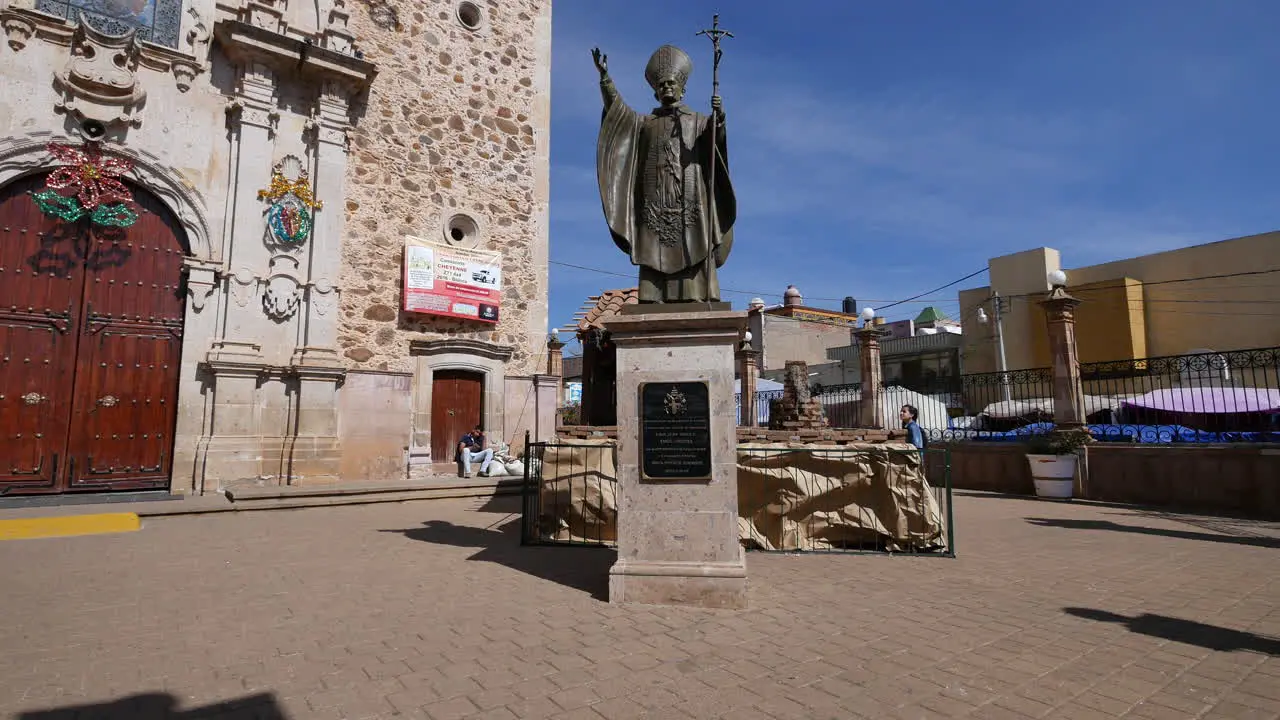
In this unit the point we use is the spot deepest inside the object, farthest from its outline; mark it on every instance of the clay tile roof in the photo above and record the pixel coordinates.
(601, 307)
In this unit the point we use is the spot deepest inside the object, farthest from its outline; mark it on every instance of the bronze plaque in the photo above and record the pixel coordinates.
(675, 431)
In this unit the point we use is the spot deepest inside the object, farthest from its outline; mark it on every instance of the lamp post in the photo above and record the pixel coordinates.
(869, 414)
(748, 377)
(1068, 398)
(997, 309)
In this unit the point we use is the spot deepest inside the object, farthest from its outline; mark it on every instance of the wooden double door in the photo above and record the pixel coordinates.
(91, 324)
(457, 406)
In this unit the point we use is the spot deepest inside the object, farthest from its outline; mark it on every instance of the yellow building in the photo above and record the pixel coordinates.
(1217, 297)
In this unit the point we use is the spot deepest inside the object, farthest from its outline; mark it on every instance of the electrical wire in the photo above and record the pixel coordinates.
(756, 293)
(943, 287)
(1095, 288)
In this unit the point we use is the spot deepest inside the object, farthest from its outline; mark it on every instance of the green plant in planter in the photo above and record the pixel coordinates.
(1058, 443)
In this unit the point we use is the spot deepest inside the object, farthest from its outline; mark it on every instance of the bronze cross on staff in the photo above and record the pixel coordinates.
(715, 33)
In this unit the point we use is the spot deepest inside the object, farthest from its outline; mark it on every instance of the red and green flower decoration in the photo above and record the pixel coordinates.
(86, 185)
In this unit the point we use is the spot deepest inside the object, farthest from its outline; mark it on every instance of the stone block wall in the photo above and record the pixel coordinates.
(374, 412)
(454, 134)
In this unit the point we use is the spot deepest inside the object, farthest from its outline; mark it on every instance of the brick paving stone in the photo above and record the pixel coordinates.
(433, 610)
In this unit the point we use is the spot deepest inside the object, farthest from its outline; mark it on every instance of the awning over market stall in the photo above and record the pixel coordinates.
(1209, 400)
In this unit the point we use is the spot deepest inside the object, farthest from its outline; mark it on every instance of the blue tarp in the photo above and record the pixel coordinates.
(1155, 434)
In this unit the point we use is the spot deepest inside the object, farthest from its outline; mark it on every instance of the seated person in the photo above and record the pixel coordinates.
(472, 448)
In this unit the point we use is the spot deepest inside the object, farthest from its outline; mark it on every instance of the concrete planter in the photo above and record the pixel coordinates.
(1054, 475)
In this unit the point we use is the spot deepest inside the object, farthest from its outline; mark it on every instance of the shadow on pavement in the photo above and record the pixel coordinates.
(1170, 510)
(1266, 542)
(585, 569)
(1188, 632)
(163, 706)
(508, 504)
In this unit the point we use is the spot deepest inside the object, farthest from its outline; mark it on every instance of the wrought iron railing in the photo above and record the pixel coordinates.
(961, 407)
(1210, 397)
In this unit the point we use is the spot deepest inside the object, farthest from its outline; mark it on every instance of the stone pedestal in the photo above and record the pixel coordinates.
(1068, 398)
(870, 414)
(678, 539)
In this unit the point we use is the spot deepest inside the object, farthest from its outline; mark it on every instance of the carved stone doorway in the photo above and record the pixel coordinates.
(457, 406)
(91, 323)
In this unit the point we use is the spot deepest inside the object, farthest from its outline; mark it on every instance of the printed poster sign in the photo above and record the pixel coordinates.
(451, 281)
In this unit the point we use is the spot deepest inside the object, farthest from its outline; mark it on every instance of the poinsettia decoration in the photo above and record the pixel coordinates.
(86, 185)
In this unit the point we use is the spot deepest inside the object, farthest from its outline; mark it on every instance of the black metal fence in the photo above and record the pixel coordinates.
(794, 499)
(950, 408)
(569, 494)
(1210, 397)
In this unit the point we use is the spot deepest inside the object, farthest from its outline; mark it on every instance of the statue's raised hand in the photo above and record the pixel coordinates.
(601, 60)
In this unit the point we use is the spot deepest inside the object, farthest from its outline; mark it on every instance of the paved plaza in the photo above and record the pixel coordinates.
(433, 610)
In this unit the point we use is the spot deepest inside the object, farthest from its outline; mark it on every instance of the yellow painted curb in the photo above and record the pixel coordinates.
(69, 525)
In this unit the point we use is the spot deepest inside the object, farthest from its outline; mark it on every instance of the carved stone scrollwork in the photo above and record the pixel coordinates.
(283, 293)
(266, 14)
(198, 37)
(19, 30)
(244, 285)
(199, 294)
(324, 297)
(185, 71)
(202, 278)
(336, 35)
(282, 297)
(100, 82)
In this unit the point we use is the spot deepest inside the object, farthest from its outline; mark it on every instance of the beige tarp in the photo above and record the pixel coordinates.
(580, 492)
(814, 498)
(789, 497)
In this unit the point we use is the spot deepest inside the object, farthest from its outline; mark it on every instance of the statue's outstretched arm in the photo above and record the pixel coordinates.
(608, 92)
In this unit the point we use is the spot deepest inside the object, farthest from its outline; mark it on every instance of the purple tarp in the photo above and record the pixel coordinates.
(1207, 400)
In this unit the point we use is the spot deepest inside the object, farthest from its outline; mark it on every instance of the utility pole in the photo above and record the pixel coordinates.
(997, 311)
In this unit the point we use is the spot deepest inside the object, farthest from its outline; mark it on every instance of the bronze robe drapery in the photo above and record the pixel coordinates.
(654, 175)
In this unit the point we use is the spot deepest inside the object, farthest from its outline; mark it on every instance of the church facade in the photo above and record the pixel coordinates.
(205, 207)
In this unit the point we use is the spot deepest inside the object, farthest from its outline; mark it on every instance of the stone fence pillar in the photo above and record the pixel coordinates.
(870, 414)
(748, 375)
(555, 365)
(1068, 397)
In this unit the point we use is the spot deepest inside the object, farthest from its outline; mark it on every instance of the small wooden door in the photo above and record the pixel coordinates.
(457, 406)
(90, 347)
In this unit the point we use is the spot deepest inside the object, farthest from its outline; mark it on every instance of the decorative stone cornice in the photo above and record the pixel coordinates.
(247, 43)
(461, 346)
(21, 25)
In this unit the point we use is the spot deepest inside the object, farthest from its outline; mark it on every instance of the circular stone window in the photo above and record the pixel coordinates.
(470, 15)
(462, 231)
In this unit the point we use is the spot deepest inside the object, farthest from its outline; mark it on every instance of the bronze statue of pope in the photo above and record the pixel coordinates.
(664, 183)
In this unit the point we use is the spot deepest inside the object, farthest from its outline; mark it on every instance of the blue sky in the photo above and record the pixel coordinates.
(880, 149)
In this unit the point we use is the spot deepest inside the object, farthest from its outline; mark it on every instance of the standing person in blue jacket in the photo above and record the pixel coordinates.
(909, 415)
